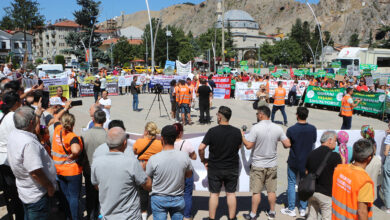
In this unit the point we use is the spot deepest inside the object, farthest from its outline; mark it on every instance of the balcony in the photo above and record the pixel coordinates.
(53, 33)
(53, 41)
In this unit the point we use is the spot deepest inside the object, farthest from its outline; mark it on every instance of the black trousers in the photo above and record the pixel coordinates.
(92, 197)
(8, 185)
(144, 199)
(292, 97)
(204, 108)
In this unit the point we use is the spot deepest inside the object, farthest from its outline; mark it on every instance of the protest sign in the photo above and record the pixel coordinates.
(368, 66)
(371, 102)
(245, 91)
(223, 85)
(183, 69)
(165, 80)
(288, 84)
(169, 67)
(324, 96)
(53, 90)
(336, 64)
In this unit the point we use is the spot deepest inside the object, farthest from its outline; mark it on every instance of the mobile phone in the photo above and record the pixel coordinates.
(76, 103)
(45, 99)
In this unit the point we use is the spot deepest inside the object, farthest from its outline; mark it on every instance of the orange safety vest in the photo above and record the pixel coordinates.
(64, 167)
(177, 93)
(346, 108)
(185, 95)
(347, 182)
(280, 95)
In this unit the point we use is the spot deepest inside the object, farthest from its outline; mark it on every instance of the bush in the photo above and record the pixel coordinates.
(60, 59)
(38, 61)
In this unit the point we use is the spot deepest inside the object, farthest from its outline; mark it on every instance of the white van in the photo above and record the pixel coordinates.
(51, 70)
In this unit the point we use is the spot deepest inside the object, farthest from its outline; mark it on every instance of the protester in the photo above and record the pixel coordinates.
(385, 187)
(224, 142)
(321, 201)
(55, 105)
(168, 170)
(204, 93)
(118, 177)
(185, 146)
(342, 147)
(103, 84)
(144, 148)
(232, 86)
(96, 89)
(184, 99)
(292, 94)
(362, 86)
(60, 93)
(263, 138)
(346, 110)
(32, 166)
(172, 97)
(211, 82)
(353, 189)
(10, 103)
(66, 148)
(134, 89)
(299, 151)
(262, 96)
(71, 84)
(279, 102)
(105, 102)
(93, 138)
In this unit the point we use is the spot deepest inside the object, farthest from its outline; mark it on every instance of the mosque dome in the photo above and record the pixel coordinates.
(238, 19)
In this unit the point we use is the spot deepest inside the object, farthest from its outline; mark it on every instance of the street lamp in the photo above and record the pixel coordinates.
(319, 29)
(151, 33)
(168, 33)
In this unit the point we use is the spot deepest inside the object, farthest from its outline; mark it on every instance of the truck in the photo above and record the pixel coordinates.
(51, 71)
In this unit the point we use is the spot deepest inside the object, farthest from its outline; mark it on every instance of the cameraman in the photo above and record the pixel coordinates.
(135, 89)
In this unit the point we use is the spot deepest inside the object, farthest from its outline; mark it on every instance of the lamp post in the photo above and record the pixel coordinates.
(151, 33)
(223, 33)
(168, 34)
(319, 29)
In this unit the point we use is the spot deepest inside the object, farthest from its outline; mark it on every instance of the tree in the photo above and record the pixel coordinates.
(59, 59)
(24, 14)
(38, 61)
(124, 52)
(306, 39)
(7, 23)
(267, 53)
(370, 40)
(354, 40)
(287, 52)
(382, 36)
(328, 39)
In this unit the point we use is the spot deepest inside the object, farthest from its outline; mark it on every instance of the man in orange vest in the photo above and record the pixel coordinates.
(279, 102)
(353, 189)
(346, 111)
(184, 99)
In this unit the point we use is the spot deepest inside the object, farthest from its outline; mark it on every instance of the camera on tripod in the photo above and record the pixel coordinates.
(158, 88)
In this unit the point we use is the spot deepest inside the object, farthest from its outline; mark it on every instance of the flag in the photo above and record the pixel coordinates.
(291, 72)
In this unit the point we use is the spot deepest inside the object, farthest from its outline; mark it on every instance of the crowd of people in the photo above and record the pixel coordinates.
(44, 162)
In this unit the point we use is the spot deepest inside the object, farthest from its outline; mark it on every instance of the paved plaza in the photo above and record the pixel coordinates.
(243, 114)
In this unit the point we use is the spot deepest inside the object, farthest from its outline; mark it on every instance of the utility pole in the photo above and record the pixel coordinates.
(146, 52)
(112, 57)
(223, 32)
(209, 59)
(168, 34)
(151, 33)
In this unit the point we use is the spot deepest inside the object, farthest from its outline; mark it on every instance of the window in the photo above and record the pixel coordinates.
(61, 36)
(16, 45)
(62, 44)
(383, 61)
(3, 45)
(23, 45)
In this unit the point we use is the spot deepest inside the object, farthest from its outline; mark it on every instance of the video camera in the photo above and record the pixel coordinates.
(158, 88)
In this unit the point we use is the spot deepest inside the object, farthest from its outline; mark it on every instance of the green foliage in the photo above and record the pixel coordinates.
(123, 51)
(288, 52)
(6, 23)
(38, 61)
(354, 40)
(328, 39)
(30, 66)
(383, 41)
(370, 40)
(59, 59)
(24, 14)
(267, 53)
(87, 16)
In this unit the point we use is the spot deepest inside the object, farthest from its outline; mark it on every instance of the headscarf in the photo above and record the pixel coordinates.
(367, 132)
(342, 139)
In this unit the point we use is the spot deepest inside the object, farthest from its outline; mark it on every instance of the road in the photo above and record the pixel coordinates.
(243, 114)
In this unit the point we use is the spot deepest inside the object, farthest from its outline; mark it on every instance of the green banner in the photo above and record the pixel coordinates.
(227, 70)
(366, 72)
(330, 75)
(368, 66)
(342, 72)
(320, 73)
(299, 72)
(324, 96)
(271, 68)
(244, 63)
(371, 102)
(257, 70)
(220, 71)
(244, 68)
(336, 64)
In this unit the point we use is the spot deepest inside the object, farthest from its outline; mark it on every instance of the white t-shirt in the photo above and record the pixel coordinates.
(184, 146)
(7, 71)
(6, 127)
(70, 82)
(105, 102)
(103, 82)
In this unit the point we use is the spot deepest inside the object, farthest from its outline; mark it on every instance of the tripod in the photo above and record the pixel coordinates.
(158, 96)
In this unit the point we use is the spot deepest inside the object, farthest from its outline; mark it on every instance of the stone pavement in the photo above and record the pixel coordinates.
(243, 114)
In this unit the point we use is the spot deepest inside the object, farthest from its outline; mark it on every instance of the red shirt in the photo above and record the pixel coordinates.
(363, 87)
(245, 78)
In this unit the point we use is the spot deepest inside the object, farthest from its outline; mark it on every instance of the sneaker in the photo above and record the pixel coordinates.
(270, 215)
(302, 213)
(289, 212)
(248, 217)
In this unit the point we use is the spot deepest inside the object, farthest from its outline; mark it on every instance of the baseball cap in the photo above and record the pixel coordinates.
(56, 101)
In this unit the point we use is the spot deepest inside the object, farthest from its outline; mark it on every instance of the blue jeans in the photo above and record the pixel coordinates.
(292, 177)
(188, 188)
(135, 101)
(161, 205)
(275, 108)
(347, 123)
(39, 210)
(71, 187)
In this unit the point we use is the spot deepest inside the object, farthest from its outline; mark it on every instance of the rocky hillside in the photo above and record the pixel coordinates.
(341, 17)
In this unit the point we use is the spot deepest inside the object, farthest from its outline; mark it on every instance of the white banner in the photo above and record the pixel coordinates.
(183, 69)
(127, 79)
(200, 174)
(288, 84)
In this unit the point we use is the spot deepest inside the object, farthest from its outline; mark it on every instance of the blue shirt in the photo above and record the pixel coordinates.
(303, 138)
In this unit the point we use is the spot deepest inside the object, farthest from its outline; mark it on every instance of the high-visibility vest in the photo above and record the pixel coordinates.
(347, 182)
(64, 167)
(280, 95)
(346, 108)
(185, 95)
(177, 93)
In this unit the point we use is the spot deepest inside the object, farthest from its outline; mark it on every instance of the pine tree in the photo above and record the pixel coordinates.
(354, 40)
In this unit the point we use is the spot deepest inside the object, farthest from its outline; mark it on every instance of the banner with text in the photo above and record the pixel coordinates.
(166, 80)
(222, 87)
(87, 89)
(183, 69)
(324, 96)
(371, 102)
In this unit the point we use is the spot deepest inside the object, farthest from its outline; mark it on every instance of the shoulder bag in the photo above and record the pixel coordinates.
(307, 185)
(145, 149)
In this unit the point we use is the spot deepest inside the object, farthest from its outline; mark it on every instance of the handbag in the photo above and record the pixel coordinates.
(80, 159)
(307, 185)
(255, 104)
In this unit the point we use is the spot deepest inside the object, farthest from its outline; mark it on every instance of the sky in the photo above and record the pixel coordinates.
(56, 9)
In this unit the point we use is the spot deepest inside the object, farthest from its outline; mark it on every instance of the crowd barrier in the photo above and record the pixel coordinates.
(200, 173)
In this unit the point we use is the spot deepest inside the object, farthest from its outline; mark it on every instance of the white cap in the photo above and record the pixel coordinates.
(56, 101)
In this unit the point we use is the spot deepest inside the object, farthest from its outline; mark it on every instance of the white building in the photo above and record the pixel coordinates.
(12, 43)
